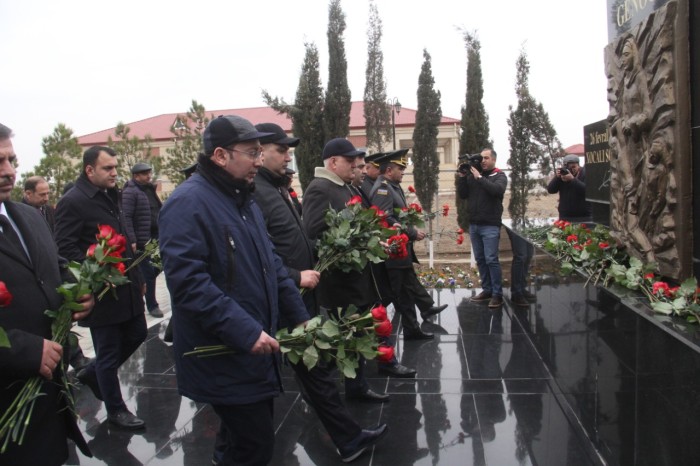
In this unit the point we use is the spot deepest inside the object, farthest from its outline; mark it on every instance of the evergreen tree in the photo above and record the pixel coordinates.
(306, 115)
(188, 131)
(426, 163)
(131, 150)
(533, 140)
(61, 163)
(376, 112)
(475, 120)
(336, 111)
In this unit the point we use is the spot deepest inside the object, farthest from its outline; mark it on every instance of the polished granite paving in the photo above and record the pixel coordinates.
(483, 396)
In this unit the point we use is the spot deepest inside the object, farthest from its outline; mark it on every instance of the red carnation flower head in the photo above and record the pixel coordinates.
(411, 189)
(603, 245)
(661, 287)
(460, 239)
(571, 239)
(578, 247)
(120, 267)
(91, 250)
(383, 329)
(105, 232)
(354, 200)
(649, 276)
(379, 313)
(445, 210)
(5, 295)
(385, 353)
(460, 231)
(416, 207)
(293, 193)
(117, 244)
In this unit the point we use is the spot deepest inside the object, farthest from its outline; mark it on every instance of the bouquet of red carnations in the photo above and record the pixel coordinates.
(102, 270)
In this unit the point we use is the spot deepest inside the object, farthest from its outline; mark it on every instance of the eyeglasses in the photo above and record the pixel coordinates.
(253, 154)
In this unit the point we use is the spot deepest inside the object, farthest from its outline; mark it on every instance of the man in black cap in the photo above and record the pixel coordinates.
(296, 251)
(228, 287)
(408, 293)
(331, 188)
(371, 172)
(141, 206)
(570, 182)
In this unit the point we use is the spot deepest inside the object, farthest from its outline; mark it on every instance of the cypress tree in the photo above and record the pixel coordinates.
(426, 163)
(131, 150)
(475, 120)
(336, 112)
(187, 130)
(532, 138)
(376, 112)
(306, 115)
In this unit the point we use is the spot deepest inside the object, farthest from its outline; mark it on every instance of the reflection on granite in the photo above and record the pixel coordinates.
(575, 378)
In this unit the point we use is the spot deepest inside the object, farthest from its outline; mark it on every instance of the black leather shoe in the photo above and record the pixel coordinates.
(369, 396)
(397, 370)
(89, 379)
(156, 312)
(366, 439)
(433, 311)
(126, 420)
(417, 335)
(520, 300)
(80, 362)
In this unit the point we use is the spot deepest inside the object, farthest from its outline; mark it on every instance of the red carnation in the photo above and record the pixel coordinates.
(379, 313)
(661, 287)
(117, 244)
(5, 295)
(385, 353)
(354, 200)
(397, 246)
(416, 207)
(571, 239)
(293, 194)
(91, 250)
(120, 267)
(460, 231)
(649, 276)
(603, 245)
(445, 210)
(105, 232)
(411, 189)
(383, 329)
(460, 239)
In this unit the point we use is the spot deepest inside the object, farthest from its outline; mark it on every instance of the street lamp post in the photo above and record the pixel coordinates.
(395, 109)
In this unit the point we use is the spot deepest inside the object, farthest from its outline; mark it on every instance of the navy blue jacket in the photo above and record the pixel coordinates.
(137, 214)
(227, 285)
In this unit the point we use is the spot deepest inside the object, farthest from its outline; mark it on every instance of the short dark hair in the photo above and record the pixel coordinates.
(493, 152)
(90, 155)
(32, 181)
(5, 132)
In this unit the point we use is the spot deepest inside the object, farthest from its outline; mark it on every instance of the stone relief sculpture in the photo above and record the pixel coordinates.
(643, 140)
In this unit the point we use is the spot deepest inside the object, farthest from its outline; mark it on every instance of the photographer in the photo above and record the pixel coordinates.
(484, 185)
(570, 183)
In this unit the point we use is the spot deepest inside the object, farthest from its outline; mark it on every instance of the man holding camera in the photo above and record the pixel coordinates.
(570, 183)
(484, 186)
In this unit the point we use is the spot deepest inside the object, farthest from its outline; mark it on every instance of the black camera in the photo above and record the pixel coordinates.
(473, 160)
(563, 171)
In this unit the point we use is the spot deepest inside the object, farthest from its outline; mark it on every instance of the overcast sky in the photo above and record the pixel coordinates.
(91, 64)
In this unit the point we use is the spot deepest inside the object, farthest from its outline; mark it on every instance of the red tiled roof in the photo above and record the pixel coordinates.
(576, 149)
(158, 127)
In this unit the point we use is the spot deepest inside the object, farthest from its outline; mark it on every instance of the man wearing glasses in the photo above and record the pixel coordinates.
(228, 287)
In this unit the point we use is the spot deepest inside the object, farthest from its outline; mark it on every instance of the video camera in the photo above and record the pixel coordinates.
(469, 160)
(564, 171)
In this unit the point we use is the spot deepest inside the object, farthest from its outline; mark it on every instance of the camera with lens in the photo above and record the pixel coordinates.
(469, 160)
(563, 171)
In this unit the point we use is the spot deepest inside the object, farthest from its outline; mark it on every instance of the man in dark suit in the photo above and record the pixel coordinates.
(118, 325)
(36, 194)
(29, 267)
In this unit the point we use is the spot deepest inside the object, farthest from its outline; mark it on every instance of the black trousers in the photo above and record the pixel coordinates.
(114, 344)
(408, 293)
(247, 434)
(321, 392)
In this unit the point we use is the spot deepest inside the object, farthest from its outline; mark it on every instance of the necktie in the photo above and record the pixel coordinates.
(9, 233)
